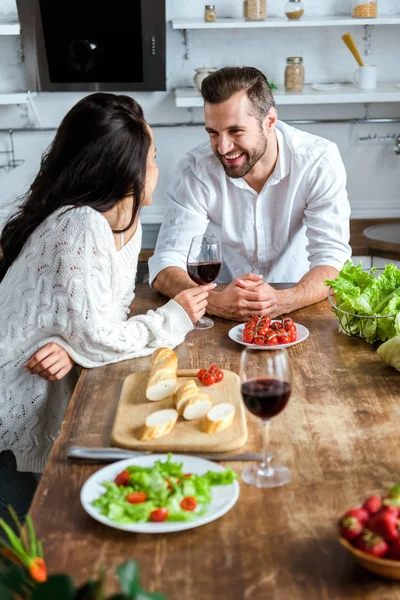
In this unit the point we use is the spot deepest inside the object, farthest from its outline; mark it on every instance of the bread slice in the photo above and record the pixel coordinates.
(184, 393)
(218, 418)
(197, 406)
(162, 378)
(159, 423)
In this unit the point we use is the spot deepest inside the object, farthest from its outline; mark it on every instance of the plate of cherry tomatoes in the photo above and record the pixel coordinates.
(266, 333)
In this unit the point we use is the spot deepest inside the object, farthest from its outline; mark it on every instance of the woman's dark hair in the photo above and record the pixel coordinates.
(222, 84)
(98, 155)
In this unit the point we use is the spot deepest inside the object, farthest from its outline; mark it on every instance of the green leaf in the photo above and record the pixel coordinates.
(32, 537)
(57, 587)
(128, 575)
(4, 593)
(14, 578)
(14, 540)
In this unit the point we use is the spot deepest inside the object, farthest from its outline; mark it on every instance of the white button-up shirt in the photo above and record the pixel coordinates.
(298, 221)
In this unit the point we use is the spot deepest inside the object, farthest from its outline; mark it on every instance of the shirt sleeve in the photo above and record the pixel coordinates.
(327, 212)
(186, 216)
(83, 313)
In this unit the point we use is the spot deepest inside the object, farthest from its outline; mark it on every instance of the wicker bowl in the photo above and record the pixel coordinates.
(348, 321)
(381, 566)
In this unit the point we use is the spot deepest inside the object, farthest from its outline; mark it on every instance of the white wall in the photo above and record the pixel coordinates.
(373, 168)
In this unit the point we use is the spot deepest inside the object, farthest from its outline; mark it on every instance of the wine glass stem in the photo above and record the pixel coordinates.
(265, 465)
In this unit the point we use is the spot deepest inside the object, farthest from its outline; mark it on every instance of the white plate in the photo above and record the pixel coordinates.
(223, 496)
(236, 334)
(325, 87)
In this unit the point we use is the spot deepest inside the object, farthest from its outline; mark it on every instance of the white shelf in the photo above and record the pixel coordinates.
(347, 93)
(17, 98)
(9, 28)
(274, 22)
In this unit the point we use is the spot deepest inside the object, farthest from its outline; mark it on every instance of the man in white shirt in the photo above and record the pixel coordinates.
(273, 195)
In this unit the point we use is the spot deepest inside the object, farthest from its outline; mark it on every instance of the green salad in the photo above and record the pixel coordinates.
(163, 492)
(361, 293)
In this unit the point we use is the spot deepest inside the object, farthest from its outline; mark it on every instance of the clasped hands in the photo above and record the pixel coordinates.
(245, 297)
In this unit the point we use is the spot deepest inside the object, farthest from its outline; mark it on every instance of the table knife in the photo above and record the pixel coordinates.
(83, 454)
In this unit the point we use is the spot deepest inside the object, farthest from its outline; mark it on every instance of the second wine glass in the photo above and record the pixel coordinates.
(203, 266)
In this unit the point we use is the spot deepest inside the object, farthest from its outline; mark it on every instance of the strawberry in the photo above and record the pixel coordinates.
(385, 524)
(372, 504)
(350, 528)
(394, 550)
(372, 544)
(358, 513)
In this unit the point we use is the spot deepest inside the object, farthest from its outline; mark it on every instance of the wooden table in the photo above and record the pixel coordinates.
(339, 435)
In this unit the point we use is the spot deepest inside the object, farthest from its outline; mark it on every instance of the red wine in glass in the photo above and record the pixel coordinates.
(265, 388)
(204, 272)
(203, 266)
(265, 398)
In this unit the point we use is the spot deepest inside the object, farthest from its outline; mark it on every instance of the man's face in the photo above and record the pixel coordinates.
(236, 134)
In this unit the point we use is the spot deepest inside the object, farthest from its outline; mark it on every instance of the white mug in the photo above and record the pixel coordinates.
(366, 77)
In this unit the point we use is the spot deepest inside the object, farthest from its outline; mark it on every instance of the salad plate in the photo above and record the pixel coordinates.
(236, 334)
(224, 497)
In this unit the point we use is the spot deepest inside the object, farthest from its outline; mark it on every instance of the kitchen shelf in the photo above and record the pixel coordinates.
(9, 27)
(347, 93)
(17, 98)
(275, 22)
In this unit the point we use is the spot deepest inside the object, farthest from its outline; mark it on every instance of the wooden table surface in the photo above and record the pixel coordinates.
(339, 435)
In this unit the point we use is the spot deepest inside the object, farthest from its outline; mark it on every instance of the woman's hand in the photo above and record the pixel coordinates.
(50, 362)
(194, 300)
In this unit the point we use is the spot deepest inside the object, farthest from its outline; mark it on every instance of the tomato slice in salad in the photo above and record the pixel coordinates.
(159, 515)
(188, 503)
(122, 478)
(137, 497)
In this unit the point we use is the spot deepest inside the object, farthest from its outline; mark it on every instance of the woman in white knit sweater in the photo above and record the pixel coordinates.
(70, 256)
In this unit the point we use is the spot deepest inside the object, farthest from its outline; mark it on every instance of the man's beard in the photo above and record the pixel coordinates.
(236, 172)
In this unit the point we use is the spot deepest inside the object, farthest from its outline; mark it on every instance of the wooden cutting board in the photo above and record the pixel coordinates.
(133, 408)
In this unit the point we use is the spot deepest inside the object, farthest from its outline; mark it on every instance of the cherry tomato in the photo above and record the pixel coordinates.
(276, 325)
(283, 339)
(122, 478)
(263, 330)
(292, 336)
(137, 497)
(259, 340)
(248, 337)
(188, 503)
(265, 319)
(219, 376)
(287, 321)
(201, 373)
(159, 515)
(290, 327)
(187, 475)
(208, 379)
(272, 340)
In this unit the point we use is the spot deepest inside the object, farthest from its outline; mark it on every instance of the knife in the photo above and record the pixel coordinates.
(83, 454)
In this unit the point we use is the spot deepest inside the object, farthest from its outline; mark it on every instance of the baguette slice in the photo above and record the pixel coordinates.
(184, 393)
(162, 378)
(197, 406)
(220, 417)
(159, 423)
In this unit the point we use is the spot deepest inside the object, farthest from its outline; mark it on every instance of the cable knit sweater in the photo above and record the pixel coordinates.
(69, 285)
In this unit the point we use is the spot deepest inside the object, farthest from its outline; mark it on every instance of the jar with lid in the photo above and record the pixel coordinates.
(294, 9)
(294, 74)
(255, 10)
(364, 9)
(210, 13)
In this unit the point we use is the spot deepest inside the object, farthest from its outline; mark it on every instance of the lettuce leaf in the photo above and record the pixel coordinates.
(362, 293)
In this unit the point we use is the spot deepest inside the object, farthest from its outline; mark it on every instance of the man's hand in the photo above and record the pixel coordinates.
(50, 362)
(243, 298)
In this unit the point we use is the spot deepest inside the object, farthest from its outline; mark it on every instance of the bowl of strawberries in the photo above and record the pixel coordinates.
(371, 533)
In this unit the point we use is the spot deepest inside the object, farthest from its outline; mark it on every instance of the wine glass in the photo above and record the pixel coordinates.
(265, 380)
(203, 266)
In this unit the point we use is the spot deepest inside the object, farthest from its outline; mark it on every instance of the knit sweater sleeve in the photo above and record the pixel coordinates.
(84, 311)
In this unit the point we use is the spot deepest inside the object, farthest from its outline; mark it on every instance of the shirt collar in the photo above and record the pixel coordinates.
(282, 167)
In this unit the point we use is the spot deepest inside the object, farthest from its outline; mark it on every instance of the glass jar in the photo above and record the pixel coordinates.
(294, 9)
(255, 10)
(364, 9)
(210, 13)
(294, 74)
